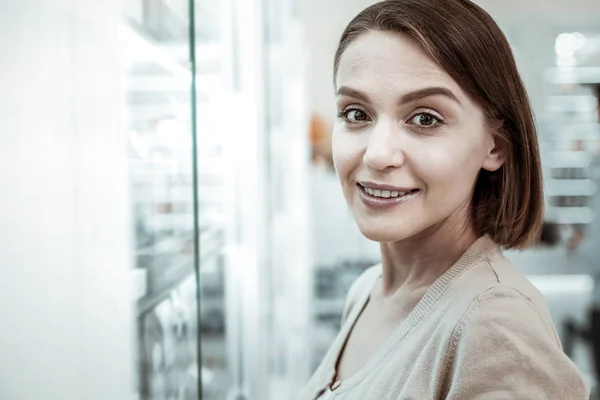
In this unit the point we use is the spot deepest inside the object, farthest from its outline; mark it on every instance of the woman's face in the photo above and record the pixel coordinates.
(408, 142)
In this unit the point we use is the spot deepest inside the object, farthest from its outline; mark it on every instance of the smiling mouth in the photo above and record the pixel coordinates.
(386, 193)
(384, 197)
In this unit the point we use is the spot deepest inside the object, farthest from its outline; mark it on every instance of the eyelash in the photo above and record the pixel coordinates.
(440, 121)
(344, 114)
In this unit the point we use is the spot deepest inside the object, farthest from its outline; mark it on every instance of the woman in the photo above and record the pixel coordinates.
(436, 151)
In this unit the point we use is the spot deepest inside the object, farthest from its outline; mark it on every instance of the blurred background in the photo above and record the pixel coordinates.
(171, 227)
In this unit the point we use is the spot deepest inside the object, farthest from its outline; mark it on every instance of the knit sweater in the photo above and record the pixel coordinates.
(481, 331)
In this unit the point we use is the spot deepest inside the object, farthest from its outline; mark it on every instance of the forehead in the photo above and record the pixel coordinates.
(387, 61)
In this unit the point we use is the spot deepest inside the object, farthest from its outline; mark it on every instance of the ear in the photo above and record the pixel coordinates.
(497, 154)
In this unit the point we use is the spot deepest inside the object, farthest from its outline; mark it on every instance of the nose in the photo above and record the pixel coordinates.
(384, 150)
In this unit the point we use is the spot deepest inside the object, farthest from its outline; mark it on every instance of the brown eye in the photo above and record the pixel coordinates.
(424, 120)
(355, 116)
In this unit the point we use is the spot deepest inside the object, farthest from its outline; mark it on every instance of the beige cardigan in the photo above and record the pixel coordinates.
(482, 331)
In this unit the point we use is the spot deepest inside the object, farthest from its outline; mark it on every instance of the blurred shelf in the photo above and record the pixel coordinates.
(568, 284)
(210, 171)
(165, 245)
(569, 159)
(206, 85)
(570, 187)
(162, 281)
(328, 306)
(569, 76)
(580, 103)
(571, 215)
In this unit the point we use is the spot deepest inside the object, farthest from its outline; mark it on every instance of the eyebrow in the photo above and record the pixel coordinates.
(406, 98)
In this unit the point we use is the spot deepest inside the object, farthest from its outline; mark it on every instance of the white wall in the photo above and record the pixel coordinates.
(65, 258)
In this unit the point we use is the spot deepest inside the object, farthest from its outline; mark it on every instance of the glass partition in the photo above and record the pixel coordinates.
(214, 104)
(162, 128)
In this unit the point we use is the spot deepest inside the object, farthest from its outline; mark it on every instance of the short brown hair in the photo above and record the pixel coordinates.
(466, 42)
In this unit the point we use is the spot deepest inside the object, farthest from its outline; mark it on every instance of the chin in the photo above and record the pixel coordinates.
(384, 235)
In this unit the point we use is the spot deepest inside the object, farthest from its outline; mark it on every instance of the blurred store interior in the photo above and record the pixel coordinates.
(171, 227)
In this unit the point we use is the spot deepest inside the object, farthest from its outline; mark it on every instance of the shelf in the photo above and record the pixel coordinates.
(569, 159)
(178, 270)
(570, 187)
(566, 284)
(569, 76)
(205, 85)
(571, 215)
(568, 103)
(145, 171)
(165, 245)
(329, 306)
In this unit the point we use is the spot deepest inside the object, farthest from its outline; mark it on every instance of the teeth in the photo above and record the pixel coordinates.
(386, 193)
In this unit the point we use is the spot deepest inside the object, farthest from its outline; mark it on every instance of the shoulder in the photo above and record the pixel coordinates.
(360, 288)
(497, 285)
(504, 345)
(496, 294)
(509, 310)
(496, 308)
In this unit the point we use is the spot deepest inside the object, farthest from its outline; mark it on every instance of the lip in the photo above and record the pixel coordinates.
(372, 185)
(382, 203)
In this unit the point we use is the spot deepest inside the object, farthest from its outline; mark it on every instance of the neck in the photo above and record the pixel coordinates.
(413, 264)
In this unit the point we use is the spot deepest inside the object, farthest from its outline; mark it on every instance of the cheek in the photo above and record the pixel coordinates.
(449, 169)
